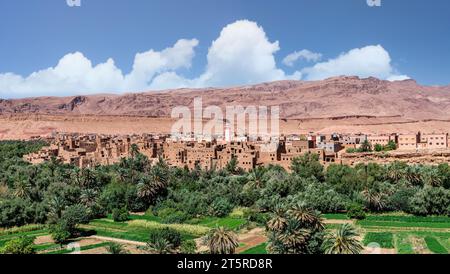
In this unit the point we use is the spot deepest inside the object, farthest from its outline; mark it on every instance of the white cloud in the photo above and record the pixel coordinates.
(242, 54)
(75, 74)
(368, 61)
(299, 55)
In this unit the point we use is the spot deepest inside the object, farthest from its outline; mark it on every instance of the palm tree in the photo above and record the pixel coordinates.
(151, 184)
(278, 222)
(374, 199)
(291, 240)
(343, 241)
(222, 241)
(396, 171)
(22, 189)
(116, 249)
(308, 217)
(56, 205)
(160, 246)
(88, 197)
(255, 179)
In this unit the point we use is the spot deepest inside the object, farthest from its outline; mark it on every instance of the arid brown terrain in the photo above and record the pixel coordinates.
(341, 104)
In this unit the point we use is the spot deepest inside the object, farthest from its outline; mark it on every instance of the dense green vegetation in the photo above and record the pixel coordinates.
(72, 201)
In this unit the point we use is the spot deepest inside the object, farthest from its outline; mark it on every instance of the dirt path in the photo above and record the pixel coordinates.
(251, 239)
(120, 241)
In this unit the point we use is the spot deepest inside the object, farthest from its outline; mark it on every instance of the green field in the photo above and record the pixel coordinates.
(407, 234)
(257, 250)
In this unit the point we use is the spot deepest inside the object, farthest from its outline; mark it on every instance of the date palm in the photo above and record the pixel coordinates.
(256, 178)
(278, 221)
(22, 189)
(222, 241)
(374, 199)
(88, 197)
(116, 249)
(308, 217)
(150, 185)
(291, 240)
(343, 241)
(160, 246)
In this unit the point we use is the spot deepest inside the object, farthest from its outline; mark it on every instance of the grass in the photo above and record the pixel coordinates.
(16, 230)
(410, 224)
(195, 230)
(256, 250)
(409, 219)
(434, 245)
(403, 244)
(83, 248)
(336, 216)
(227, 222)
(384, 239)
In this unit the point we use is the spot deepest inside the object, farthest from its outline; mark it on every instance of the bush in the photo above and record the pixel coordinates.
(172, 216)
(221, 207)
(170, 235)
(255, 216)
(120, 215)
(60, 232)
(356, 211)
(431, 201)
(21, 246)
(188, 247)
(74, 215)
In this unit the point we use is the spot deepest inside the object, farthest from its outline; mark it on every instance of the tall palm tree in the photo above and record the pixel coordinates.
(374, 199)
(396, 171)
(222, 241)
(308, 217)
(278, 221)
(151, 184)
(88, 197)
(343, 241)
(22, 189)
(292, 239)
(255, 179)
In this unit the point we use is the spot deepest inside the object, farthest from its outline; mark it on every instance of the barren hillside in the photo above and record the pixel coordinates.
(340, 104)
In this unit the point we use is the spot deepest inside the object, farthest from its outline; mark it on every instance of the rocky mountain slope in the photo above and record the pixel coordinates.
(338, 97)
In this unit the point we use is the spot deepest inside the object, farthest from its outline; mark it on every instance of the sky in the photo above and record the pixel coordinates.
(50, 48)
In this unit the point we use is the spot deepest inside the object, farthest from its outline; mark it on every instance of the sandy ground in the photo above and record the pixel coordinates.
(24, 127)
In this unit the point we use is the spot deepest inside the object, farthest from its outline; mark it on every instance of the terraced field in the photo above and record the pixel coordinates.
(390, 234)
(403, 234)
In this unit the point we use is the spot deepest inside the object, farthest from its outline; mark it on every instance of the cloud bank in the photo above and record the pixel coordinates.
(241, 55)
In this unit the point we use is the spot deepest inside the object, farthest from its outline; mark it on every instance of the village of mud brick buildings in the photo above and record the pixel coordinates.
(88, 150)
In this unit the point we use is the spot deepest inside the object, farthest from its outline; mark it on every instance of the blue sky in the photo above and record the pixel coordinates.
(410, 37)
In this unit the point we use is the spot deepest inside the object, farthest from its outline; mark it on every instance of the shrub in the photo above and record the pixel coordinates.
(356, 211)
(255, 216)
(170, 235)
(188, 247)
(172, 216)
(120, 215)
(60, 232)
(221, 207)
(21, 245)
